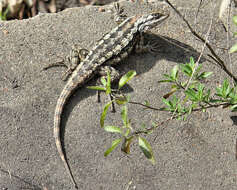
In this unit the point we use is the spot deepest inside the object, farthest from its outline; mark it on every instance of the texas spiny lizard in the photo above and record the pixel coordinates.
(109, 50)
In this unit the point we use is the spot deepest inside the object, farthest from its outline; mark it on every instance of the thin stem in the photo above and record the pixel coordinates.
(213, 55)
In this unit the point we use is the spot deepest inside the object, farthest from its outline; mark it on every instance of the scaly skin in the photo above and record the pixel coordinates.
(114, 46)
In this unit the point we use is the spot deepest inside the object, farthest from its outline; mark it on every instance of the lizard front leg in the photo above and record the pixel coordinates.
(76, 56)
(144, 45)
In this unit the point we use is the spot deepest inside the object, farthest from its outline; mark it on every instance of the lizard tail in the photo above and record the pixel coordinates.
(57, 120)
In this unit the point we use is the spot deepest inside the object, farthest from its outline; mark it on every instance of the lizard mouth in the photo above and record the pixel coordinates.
(155, 20)
(152, 23)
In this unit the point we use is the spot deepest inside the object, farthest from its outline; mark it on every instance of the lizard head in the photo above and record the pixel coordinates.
(151, 20)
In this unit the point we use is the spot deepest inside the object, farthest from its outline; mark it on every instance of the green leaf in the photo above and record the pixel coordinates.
(147, 103)
(180, 108)
(129, 125)
(200, 91)
(233, 95)
(97, 88)
(115, 143)
(113, 129)
(146, 149)
(225, 88)
(191, 94)
(233, 48)
(235, 19)
(190, 109)
(128, 97)
(198, 68)
(204, 75)
(3, 15)
(166, 102)
(161, 81)
(207, 95)
(108, 84)
(219, 91)
(124, 114)
(103, 115)
(186, 69)
(193, 85)
(125, 78)
(103, 81)
(166, 76)
(192, 63)
(121, 100)
(174, 72)
(174, 100)
(234, 108)
(127, 132)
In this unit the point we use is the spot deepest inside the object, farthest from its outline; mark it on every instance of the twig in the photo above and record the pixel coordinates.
(144, 105)
(196, 64)
(228, 36)
(146, 131)
(203, 48)
(196, 15)
(214, 56)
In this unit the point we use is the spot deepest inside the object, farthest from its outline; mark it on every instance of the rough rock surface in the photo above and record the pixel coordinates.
(196, 154)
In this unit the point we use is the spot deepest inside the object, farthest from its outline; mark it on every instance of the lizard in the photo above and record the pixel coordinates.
(110, 49)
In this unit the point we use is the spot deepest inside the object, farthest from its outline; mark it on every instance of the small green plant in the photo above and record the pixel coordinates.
(125, 131)
(188, 93)
(196, 94)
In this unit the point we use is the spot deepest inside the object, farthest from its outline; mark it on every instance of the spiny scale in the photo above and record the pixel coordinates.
(112, 47)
